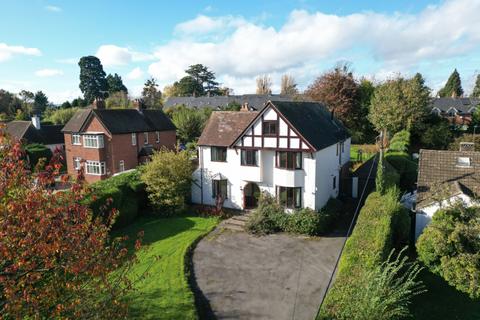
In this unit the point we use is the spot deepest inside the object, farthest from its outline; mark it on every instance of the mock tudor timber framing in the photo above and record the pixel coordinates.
(251, 133)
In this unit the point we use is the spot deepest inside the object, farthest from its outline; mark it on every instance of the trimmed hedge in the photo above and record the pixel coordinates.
(37, 151)
(127, 193)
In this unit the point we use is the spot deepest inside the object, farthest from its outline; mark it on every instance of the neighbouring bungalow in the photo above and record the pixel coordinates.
(34, 132)
(445, 177)
(109, 141)
(294, 151)
(458, 111)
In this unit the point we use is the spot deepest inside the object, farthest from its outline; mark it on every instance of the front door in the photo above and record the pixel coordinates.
(251, 192)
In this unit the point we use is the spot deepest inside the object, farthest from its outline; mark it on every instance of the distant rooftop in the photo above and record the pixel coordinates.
(461, 104)
(257, 101)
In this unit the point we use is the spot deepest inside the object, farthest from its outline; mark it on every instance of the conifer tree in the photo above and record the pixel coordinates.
(453, 87)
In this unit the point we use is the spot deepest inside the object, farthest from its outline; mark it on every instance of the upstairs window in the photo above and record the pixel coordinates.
(249, 157)
(219, 154)
(76, 139)
(134, 139)
(219, 188)
(93, 141)
(145, 138)
(289, 160)
(269, 127)
(289, 197)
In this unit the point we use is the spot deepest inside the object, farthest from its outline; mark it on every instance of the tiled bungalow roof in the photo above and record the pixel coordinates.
(462, 105)
(24, 130)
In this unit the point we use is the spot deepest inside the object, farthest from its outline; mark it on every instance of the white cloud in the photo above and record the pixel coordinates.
(135, 74)
(48, 72)
(112, 55)
(392, 41)
(53, 9)
(7, 52)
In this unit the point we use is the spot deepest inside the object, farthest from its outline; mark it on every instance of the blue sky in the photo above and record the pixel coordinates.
(41, 41)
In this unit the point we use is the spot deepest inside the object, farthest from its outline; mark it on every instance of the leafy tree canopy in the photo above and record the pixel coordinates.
(476, 88)
(151, 95)
(115, 84)
(205, 77)
(40, 102)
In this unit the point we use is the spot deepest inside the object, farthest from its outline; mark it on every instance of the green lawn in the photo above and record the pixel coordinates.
(368, 151)
(164, 293)
(443, 301)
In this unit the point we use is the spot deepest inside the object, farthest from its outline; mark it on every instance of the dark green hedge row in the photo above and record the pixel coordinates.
(127, 193)
(35, 152)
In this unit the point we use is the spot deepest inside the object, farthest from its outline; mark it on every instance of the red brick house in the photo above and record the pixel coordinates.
(109, 141)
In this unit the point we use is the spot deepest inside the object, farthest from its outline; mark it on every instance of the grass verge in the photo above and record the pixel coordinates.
(165, 293)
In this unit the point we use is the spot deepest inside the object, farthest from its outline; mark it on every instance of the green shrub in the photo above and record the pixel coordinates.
(367, 248)
(270, 217)
(406, 169)
(37, 151)
(127, 194)
(449, 246)
(400, 142)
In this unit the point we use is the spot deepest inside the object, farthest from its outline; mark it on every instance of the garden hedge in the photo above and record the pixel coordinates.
(36, 151)
(127, 193)
(378, 228)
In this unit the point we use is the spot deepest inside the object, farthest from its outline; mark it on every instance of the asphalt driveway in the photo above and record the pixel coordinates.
(271, 277)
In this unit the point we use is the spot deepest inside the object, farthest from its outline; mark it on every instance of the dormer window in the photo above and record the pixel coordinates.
(452, 112)
(269, 127)
(463, 162)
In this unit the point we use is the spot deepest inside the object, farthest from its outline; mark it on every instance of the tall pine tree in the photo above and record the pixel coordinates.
(453, 87)
(476, 88)
(115, 84)
(93, 83)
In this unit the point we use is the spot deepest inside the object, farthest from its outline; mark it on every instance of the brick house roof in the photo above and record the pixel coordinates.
(440, 175)
(120, 121)
(223, 127)
(47, 134)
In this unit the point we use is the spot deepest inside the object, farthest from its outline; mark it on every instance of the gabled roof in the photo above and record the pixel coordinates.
(47, 134)
(223, 127)
(463, 105)
(313, 121)
(439, 175)
(256, 101)
(118, 121)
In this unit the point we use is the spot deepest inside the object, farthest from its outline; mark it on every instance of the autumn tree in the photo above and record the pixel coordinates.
(338, 90)
(288, 85)
(264, 84)
(453, 87)
(151, 95)
(93, 83)
(56, 259)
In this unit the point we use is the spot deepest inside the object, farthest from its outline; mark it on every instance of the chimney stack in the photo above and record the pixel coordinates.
(467, 146)
(98, 103)
(36, 122)
(245, 107)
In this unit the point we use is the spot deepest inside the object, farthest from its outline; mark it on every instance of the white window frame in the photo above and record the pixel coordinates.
(99, 168)
(76, 139)
(93, 141)
(121, 166)
(77, 160)
(158, 136)
(145, 138)
(134, 139)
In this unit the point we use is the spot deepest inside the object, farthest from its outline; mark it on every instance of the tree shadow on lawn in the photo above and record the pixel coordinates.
(443, 301)
(154, 229)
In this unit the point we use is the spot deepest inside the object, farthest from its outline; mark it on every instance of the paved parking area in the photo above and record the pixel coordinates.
(271, 277)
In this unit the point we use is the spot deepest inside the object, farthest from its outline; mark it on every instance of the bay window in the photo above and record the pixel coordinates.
(249, 157)
(93, 141)
(95, 168)
(289, 197)
(289, 160)
(219, 154)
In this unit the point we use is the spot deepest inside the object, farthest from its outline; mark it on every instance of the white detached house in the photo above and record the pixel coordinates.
(293, 150)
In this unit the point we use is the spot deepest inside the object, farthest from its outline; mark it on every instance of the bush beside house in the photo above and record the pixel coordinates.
(125, 192)
(270, 217)
(37, 151)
